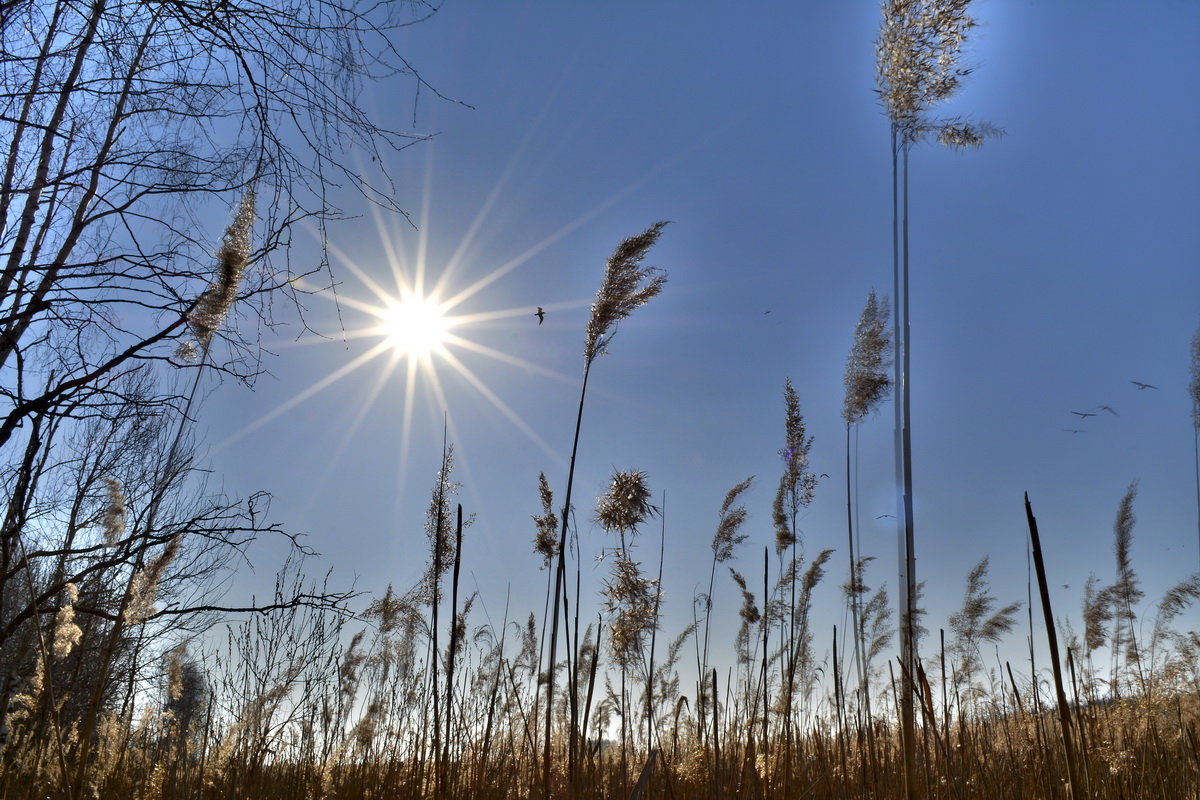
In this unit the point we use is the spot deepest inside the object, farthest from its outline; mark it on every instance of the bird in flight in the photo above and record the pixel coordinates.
(1141, 385)
(881, 516)
(541, 315)
(1083, 414)
(1073, 430)
(1109, 410)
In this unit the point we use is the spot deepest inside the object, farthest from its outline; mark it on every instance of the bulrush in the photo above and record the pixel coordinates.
(214, 304)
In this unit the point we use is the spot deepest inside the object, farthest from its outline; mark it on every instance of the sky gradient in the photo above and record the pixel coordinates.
(1049, 270)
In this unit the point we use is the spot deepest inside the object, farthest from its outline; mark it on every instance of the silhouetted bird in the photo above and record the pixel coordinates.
(1083, 414)
(1073, 430)
(881, 516)
(1141, 385)
(541, 315)
(1109, 410)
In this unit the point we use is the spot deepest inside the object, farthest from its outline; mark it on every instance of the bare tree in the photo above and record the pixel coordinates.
(129, 132)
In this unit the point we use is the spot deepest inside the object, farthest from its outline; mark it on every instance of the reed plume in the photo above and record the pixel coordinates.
(626, 286)
(797, 484)
(545, 542)
(867, 380)
(67, 633)
(976, 622)
(215, 302)
(112, 520)
(918, 65)
(626, 504)
(1124, 592)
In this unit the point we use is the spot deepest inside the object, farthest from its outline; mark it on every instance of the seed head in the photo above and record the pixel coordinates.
(917, 60)
(867, 381)
(797, 485)
(216, 301)
(1194, 387)
(731, 518)
(545, 543)
(66, 633)
(113, 521)
(626, 504)
(626, 286)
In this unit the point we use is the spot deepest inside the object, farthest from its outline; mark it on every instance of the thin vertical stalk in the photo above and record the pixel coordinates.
(559, 575)
(766, 625)
(903, 456)
(1064, 712)
(434, 601)
(453, 635)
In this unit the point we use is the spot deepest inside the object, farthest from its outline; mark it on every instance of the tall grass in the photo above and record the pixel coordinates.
(305, 703)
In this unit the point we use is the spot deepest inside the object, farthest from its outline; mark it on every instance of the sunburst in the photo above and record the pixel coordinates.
(419, 331)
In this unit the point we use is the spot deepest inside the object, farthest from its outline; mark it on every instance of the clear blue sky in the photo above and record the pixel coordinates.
(1050, 269)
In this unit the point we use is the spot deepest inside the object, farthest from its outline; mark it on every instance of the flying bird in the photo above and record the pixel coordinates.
(1083, 414)
(1109, 410)
(881, 516)
(541, 315)
(1141, 385)
(1073, 430)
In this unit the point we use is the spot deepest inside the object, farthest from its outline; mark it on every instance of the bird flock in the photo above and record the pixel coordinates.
(1085, 414)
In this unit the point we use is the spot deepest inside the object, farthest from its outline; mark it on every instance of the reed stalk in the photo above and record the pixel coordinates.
(625, 287)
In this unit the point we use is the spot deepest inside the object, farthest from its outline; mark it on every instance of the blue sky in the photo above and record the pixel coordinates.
(1050, 269)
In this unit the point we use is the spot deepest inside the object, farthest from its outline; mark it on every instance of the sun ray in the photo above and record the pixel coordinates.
(299, 398)
(410, 390)
(423, 229)
(523, 311)
(359, 273)
(509, 359)
(334, 458)
(503, 408)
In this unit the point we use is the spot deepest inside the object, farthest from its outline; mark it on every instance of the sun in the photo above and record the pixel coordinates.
(414, 325)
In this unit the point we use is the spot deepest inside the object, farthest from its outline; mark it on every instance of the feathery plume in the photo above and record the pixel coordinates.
(632, 597)
(1194, 386)
(1097, 613)
(626, 504)
(978, 621)
(143, 586)
(113, 520)
(1124, 593)
(67, 634)
(917, 61)
(626, 286)
(216, 301)
(797, 485)
(545, 543)
(750, 616)
(728, 536)
(441, 539)
(1125, 590)
(867, 380)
